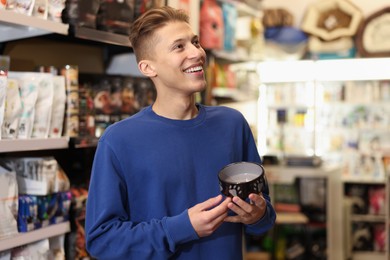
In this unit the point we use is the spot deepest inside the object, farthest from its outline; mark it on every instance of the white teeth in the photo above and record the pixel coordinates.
(194, 69)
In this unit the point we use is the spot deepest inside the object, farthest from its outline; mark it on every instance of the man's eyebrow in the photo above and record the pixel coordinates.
(194, 37)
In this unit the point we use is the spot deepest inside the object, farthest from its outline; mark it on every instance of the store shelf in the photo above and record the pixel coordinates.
(368, 218)
(362, 180)
(257, 256)
(33, 236)
(291, 218)
(14, 26)
(33, 144)
(369, 255)
(101, 36)
(83, 142)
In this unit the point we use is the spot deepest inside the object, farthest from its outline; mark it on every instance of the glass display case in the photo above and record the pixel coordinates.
(337, 110)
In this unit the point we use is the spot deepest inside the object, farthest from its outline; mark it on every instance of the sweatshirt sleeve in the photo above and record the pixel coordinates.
(110, 232)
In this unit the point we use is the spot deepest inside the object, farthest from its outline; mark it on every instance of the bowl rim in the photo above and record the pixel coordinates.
(243, 162)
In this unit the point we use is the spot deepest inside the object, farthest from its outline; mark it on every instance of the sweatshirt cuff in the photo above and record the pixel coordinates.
(264, 223)
(180, 229)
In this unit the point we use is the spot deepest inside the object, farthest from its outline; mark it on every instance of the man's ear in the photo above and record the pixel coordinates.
(146, 68)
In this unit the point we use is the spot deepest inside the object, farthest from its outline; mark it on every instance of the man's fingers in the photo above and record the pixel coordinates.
(210, 203)
(257, 199)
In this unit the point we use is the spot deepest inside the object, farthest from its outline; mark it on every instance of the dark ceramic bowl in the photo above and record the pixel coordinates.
(241, 179)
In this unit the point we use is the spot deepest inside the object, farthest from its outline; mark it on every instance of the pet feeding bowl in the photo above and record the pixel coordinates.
(241, 179)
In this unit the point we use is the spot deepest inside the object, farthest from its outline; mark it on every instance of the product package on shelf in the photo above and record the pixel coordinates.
(115, 16)
(28, 88)
(3, 91)
(8, 203)
(36, 175)
(211, 25)
(12, 111)
(71, 126)
(230, 20)
(141, 6)
(87, 111)
(377, 200)
(6, 254)
(81, 13)
(43, 192)
(41, 9)
(75, 247)
(43, 107)
(129, 104)
(105, 100)
(362, 236)
(36, 250)
(41, 211)
(20, 6)
(102, 105)
(55, 8)
(58, 108)
(29, 102)
(358, 195)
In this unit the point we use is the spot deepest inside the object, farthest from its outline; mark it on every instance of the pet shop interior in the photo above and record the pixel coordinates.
(311, 77)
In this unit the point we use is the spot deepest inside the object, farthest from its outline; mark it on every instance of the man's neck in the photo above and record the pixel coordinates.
(176, 109)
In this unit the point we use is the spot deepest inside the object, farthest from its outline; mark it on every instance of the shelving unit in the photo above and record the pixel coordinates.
(26, 145)
(344, 104)
(15, 26)
(33, 236)
(277, 175)
(101, 36)
(34, 144)
(368, 220)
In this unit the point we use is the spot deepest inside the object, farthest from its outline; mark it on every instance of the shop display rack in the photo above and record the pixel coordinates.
(35, 235)
(15, 26)
(33, 144)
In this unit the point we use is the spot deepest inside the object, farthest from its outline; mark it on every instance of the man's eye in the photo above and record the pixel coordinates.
(196, 43)
(179, 46)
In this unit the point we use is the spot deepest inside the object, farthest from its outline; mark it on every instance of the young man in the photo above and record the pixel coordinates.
(154, 190)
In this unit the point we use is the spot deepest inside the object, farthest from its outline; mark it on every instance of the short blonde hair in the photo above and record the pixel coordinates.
(143, 28)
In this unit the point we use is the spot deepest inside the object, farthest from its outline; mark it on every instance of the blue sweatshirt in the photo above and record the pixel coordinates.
(148, 170)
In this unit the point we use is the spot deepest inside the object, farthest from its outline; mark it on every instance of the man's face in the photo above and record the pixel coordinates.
(178, 60)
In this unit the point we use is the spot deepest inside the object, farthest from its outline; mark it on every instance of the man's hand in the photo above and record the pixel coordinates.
(207, 216)
(247, 213)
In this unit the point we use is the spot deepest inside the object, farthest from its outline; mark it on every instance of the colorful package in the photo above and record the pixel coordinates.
(229, 20)
(8, 203)
(12, 111)
(21, 6)
(82, 13)
(58, 107)
(43, 106)
(102, 105)
(34, 250)
(3, 5)
(3, 94)
(115, 16)
(71, 125)
(87, 110)
(211, 25)
(55, 8)
(41, 9)
(28, 86)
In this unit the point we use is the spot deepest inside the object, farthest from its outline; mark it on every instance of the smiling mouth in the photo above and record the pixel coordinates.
(194, 69)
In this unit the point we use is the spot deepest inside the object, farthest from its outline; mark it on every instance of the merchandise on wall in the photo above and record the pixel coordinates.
(318, 108)
(336, 112)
